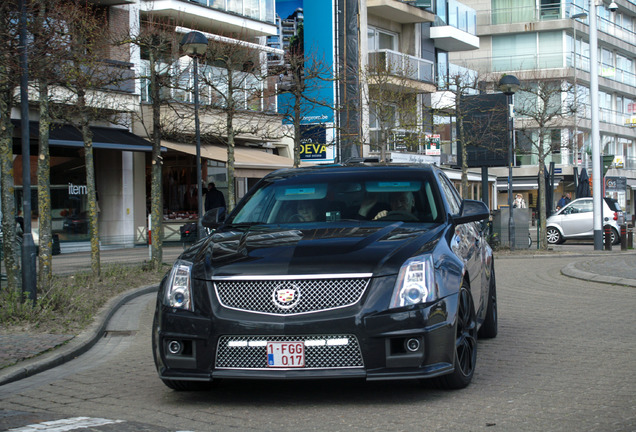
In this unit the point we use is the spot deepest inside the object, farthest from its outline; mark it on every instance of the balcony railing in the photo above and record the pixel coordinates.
(460, 16)
(250, 95)
(261, 10)
(399, 64)
(548, 12)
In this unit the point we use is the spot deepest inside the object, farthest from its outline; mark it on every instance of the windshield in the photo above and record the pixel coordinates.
(331, 197)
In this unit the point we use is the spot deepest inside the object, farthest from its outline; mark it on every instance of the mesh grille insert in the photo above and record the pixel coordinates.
(321, 351)
(289, 297)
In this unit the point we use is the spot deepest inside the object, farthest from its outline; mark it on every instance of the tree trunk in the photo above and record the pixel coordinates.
(156, 192)
(10, 249)
(231, 202)
(297, 132)
(87, 135)
(45, 256)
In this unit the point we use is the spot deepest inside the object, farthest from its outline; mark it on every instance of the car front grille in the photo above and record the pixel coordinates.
(289, 295)
(321, 351)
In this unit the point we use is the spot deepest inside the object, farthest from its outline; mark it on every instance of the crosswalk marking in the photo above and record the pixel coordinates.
(66, 424)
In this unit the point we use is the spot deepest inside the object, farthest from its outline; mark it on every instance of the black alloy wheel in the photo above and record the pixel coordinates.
(465, 344)
(489, 328)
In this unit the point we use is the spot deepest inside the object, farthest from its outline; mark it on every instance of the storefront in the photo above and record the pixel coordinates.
(120, 160)
(179, 179)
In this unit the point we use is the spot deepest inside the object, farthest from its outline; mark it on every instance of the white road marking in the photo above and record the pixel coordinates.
(66, 424)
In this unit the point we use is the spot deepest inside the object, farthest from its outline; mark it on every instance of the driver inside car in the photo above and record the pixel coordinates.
(401, 203)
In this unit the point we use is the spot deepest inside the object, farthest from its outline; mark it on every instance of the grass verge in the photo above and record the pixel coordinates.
(72, 301)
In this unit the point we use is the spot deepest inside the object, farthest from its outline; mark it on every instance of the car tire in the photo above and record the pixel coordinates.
(615, 238)
(465, 344)
(554, 236)
(489, 327)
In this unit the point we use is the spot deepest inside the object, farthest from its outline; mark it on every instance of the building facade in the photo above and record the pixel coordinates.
(121, 137)
(537, 40)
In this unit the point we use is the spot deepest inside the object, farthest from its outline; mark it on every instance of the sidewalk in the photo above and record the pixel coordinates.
(34, 353)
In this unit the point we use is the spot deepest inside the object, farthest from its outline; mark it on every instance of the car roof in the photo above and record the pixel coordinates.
(353, 167)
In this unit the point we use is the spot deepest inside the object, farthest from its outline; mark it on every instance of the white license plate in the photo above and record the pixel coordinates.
(285, 354)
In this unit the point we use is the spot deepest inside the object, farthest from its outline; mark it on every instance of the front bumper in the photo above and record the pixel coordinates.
(380, 337)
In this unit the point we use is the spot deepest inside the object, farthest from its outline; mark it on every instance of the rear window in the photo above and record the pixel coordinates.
(613, 204)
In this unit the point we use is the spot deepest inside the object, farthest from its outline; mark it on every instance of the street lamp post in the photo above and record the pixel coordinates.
(597, 172)
(574, 17)
(195, 45)
(509, 84)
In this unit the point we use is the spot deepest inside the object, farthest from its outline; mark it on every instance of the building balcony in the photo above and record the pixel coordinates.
(452, 39)
(401, 71)
(398, 11)
(455, 28)
(247, 18)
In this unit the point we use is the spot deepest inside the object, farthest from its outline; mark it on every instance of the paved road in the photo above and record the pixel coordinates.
(564, 361)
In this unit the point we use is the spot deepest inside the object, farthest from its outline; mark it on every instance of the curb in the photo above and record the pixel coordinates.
(78, 345)
(570, 270)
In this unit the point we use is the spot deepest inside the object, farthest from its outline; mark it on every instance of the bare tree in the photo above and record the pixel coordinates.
(393, 103)
(49, 39)
(158, 42)
(9, 81)
(542, 106)
(232, 81)
(86, 77)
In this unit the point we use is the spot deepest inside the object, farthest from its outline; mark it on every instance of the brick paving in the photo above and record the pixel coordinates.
(21, 346)
(16, 347)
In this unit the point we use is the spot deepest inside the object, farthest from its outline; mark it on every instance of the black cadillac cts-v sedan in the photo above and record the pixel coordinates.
(372, 272)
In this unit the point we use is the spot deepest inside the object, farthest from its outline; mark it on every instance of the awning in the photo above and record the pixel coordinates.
(103, 137)
(522, 184)
(248, 162)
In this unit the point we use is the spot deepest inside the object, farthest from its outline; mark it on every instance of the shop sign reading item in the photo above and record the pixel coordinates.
(77, 189)
(286, 354)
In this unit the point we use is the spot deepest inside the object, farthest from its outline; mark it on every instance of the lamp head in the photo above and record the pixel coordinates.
(509, 84)
(194, 44)
(579, 15)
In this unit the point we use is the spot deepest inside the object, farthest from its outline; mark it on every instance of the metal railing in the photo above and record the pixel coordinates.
(261, 10)
(400, 64)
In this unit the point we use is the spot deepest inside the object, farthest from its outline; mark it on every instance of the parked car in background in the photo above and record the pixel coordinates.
(359, 271)
(576, 221)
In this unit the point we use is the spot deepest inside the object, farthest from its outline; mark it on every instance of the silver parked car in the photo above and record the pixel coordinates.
(576, 221)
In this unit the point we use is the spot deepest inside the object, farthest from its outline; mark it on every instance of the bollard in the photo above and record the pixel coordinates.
(608, 238)
(630, 238)
(623, 237)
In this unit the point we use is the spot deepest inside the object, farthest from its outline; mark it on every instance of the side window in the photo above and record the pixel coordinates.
(451, 194)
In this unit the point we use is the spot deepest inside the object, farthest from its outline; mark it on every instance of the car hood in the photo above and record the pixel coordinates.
(277, 250)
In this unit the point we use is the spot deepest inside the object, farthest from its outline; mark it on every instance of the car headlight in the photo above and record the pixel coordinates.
(415, 283)
(179, 287)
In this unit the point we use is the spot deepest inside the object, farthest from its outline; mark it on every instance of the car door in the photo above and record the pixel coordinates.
(577, 218)
(466, 242)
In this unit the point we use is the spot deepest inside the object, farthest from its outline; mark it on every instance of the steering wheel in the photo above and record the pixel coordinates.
(400, 215)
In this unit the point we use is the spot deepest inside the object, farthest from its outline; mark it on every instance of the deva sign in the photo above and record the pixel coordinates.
(313, 151)
(313, 142)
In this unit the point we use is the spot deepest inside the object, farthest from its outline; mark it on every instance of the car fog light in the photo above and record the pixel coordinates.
(413, 344)
(175, 347)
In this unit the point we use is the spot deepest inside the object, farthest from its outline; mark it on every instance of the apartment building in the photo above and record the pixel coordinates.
(535, 40)
(122, 149)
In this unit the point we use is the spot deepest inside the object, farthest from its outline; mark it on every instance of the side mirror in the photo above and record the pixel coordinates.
(213, 218)
(471, 211)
